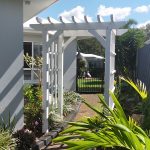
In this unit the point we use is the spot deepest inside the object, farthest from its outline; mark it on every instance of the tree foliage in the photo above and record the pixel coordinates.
(146, 30)
(90, 46)
(126, 49)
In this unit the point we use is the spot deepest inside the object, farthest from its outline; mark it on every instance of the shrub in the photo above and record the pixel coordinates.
(33, 117)
(54, 120)
(71, 97)
(6, 140)
(70, 101)
(25, 139)
(33, 109)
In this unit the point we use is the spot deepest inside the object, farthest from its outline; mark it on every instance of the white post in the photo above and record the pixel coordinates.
(45, 83)
(56, 73)
(60, 76)
(52, 74)
(109, 66)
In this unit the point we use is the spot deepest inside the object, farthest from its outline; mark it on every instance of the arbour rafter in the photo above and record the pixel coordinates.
(53, 49)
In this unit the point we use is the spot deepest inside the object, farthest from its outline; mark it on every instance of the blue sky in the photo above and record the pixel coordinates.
(121, 9)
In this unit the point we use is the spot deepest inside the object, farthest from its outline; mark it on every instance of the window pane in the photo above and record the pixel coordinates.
(37, 50)
(27, 74)
(27, 46)
(35, 76)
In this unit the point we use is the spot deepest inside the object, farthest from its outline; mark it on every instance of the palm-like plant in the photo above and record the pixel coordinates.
(111, 128)
(139, 87)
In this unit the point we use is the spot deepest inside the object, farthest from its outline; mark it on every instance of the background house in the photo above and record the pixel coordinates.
(94, 60)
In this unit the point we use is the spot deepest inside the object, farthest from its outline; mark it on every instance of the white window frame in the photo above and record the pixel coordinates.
(32, 81)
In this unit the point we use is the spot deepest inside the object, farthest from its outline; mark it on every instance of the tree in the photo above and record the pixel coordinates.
(147, 31)
(90, 46)
(126, 49)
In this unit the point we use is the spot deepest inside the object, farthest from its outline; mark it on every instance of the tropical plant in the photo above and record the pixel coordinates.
(7, 124)
(6, 140)
(131, 101)
(111, 131)
(139, 87)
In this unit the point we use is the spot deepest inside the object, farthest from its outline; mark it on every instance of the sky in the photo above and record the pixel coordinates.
(138, 10)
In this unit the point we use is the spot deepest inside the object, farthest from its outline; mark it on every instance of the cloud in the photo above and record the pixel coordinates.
(143, 25)
(78, 12)
(142, 9)
(118, 13)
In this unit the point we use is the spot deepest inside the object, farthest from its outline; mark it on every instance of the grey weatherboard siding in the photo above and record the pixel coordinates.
(11, 60)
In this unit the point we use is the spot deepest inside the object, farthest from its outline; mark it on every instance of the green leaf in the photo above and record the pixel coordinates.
(72, 129)
(140, 88)
(65, 138)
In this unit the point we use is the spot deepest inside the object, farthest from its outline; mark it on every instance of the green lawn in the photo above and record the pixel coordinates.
(90, 84)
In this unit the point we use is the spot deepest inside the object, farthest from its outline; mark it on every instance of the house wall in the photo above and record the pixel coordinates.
(32, 37)
(143, 65)
(11, 61)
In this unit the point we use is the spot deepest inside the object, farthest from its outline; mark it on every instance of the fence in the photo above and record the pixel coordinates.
(93, 83)
(143, 65)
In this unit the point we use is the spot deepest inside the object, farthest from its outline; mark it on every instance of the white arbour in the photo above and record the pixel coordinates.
(53, 50)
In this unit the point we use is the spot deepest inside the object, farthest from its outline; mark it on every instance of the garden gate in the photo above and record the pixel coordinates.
(53, 49)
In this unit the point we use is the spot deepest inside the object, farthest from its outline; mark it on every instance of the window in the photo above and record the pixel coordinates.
(33, 49)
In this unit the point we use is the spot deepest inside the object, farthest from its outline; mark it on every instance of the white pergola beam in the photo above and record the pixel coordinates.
(120, 32)
(85, 33)
(98, 37)
(53, 38)
(68, 42)
(78, 26)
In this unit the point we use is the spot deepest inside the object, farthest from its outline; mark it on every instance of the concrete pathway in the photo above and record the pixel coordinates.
(84, 111)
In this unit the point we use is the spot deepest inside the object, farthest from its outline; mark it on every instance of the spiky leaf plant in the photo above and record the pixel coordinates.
(139, 87)
(112, 129)
(7, 142)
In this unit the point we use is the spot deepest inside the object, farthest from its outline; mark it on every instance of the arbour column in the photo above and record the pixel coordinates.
(45, 82)
(109, 66)
(60, 75)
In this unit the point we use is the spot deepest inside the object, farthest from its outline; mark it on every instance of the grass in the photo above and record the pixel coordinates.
(90, 85)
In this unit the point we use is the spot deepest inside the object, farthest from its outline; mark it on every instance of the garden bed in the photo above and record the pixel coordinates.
(46, 139)
(33, 117)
